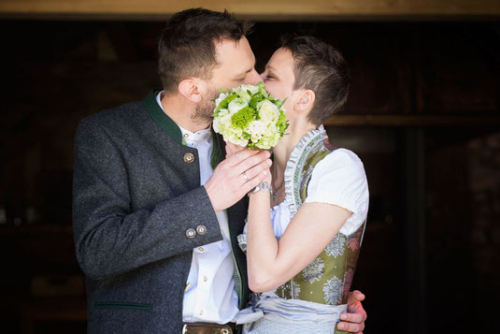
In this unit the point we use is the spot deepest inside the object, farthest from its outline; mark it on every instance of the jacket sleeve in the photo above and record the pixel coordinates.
(110, 239)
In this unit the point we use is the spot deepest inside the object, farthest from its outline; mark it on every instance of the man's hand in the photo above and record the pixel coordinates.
(236, 176)
(354, 320)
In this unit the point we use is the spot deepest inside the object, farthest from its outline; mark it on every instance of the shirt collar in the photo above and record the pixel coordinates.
(192, 139)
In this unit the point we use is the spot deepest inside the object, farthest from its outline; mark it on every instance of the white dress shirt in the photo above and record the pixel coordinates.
(209, 294)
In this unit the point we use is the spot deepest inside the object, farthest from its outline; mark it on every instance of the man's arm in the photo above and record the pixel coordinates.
(354, 320)
(110, 239)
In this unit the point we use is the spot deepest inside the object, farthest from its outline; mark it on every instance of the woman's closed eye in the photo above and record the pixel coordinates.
(268, 77)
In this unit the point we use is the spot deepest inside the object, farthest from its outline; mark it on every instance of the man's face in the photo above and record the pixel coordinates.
(279, 76)
(235, 66)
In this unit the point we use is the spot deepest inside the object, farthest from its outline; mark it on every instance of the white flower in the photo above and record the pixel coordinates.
(262, 133)
(222, 121)
(234, 135)
(237, 104)
(333, 290)
(243, 90)
(256, 129)
(248, 88)
(268, 112)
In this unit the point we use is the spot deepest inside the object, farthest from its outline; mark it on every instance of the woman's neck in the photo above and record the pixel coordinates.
(283, 150)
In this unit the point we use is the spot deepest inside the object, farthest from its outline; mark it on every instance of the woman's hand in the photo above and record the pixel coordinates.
(232, 149)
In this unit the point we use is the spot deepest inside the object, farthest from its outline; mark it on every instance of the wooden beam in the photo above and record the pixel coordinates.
(265, 9)
(411, 121)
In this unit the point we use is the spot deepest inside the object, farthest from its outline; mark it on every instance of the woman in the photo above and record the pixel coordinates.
(301, 257)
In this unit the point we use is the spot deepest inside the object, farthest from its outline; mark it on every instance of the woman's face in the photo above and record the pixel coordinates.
(279, 76)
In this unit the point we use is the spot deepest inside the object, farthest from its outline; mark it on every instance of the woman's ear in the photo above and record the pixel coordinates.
(190, 89)
(305, 102)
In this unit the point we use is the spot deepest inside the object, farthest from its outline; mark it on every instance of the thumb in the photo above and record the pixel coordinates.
(355, 297)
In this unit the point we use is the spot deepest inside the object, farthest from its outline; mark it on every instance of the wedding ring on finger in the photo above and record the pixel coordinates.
(245, 176)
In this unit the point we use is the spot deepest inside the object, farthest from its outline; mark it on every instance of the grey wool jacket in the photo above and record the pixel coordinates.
(137, 200)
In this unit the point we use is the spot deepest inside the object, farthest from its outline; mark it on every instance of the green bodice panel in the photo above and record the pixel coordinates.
(327, 279)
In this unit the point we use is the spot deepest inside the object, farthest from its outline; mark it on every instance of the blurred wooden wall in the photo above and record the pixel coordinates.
(423, 115)
(262, 9)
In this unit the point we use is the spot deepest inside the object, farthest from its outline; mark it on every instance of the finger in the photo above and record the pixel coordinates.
(352, 317)
(233, 148)
(251, 161)
(350, 327)
(251, 184)
(241, 156)
(355, 296)
(256, 170)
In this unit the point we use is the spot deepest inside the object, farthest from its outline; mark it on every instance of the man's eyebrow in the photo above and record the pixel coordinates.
(247, 71)
(243, 73)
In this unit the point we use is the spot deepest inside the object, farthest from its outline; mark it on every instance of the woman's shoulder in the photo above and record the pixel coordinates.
(340, 179)
(341, 159)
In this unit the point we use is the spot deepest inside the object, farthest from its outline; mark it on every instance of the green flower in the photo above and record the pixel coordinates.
(243, 117)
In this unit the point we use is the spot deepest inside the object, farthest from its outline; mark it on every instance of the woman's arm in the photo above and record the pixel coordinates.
(271, 262)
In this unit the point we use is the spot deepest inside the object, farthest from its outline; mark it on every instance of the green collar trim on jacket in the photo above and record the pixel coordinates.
(217, 154)
(160, 117)
(173, 130)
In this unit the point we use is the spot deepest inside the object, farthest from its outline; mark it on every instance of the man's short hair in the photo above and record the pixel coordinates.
(187, 44)
(321, 68)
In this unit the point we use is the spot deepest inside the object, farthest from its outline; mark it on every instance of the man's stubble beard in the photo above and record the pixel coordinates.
(205, 109)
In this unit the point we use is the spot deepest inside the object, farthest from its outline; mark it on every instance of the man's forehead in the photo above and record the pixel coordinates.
(227, 49)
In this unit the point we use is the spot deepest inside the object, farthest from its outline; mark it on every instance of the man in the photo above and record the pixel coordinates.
(156, 210)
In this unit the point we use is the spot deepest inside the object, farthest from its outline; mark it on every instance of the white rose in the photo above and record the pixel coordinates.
(235, 139)
(222, 121)
(243, 90)
(251, 88)
(236, 105)
(215, 125)
(268, 111)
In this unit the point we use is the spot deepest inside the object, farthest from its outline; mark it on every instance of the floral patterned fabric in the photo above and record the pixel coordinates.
(327, 279)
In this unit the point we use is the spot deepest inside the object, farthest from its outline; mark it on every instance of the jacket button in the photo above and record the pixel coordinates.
(190, 233)
(189, 158)
(201, 229)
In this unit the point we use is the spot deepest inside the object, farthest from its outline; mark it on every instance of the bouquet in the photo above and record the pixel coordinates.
(248, 116)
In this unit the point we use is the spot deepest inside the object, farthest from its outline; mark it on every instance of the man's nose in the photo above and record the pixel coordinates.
(253, 78)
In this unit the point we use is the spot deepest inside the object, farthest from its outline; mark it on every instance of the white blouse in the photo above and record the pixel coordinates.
(338, 179)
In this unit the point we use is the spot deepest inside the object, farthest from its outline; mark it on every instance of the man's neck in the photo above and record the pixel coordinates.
(182, 112)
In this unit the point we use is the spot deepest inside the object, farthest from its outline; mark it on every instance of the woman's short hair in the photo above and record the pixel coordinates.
(321, 68)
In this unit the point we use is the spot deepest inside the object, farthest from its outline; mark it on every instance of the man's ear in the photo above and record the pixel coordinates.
(305, 102)
(190, 89)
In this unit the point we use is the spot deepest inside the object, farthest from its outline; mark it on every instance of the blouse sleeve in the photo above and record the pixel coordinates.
(340, 179)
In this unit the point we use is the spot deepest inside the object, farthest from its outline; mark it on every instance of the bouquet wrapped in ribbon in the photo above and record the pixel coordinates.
(248, 116)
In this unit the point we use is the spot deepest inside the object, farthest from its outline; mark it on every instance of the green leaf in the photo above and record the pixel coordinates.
(280, 103)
